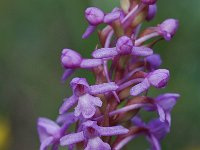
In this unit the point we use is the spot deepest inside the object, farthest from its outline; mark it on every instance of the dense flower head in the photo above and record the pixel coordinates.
(106, 112)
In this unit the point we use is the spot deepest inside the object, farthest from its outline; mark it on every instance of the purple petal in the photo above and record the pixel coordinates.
(70, 58)
(90, 29)
(136, 120)
(71, 139)
(103, 88)
(86, 106)
(154, 61)
(168, 28)
(155, 145)
(168, 119)
(151, 12)
(91, 63)
(110, 131)
(94, 15)
(67, 104)
(66, 74)
(161, 113)
(97, 144)
(66, 118)
(105, 53)
(141, 51)
(90, 129)
(158, 129)
(159, 78)
(167, 101)
(44, 145)
(46, 128)
(110, 17)
(124, 45)
(139, 88)
(43, 135)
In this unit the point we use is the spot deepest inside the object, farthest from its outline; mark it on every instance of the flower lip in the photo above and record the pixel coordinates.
(49, 132)
(97, 144)
(94, 15)
(124, 45)
(70, 58)
(87, 106)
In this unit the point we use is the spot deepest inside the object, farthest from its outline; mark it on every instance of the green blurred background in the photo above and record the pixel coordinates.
(32, 35)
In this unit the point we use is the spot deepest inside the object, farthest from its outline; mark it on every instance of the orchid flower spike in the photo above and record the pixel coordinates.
(83, 95)
(91, 135)
(124, 66)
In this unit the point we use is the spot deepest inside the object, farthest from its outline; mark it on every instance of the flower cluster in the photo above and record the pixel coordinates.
(106, 115)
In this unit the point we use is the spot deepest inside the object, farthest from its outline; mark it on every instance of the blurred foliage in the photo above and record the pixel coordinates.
(32, 35)
(4, 133)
